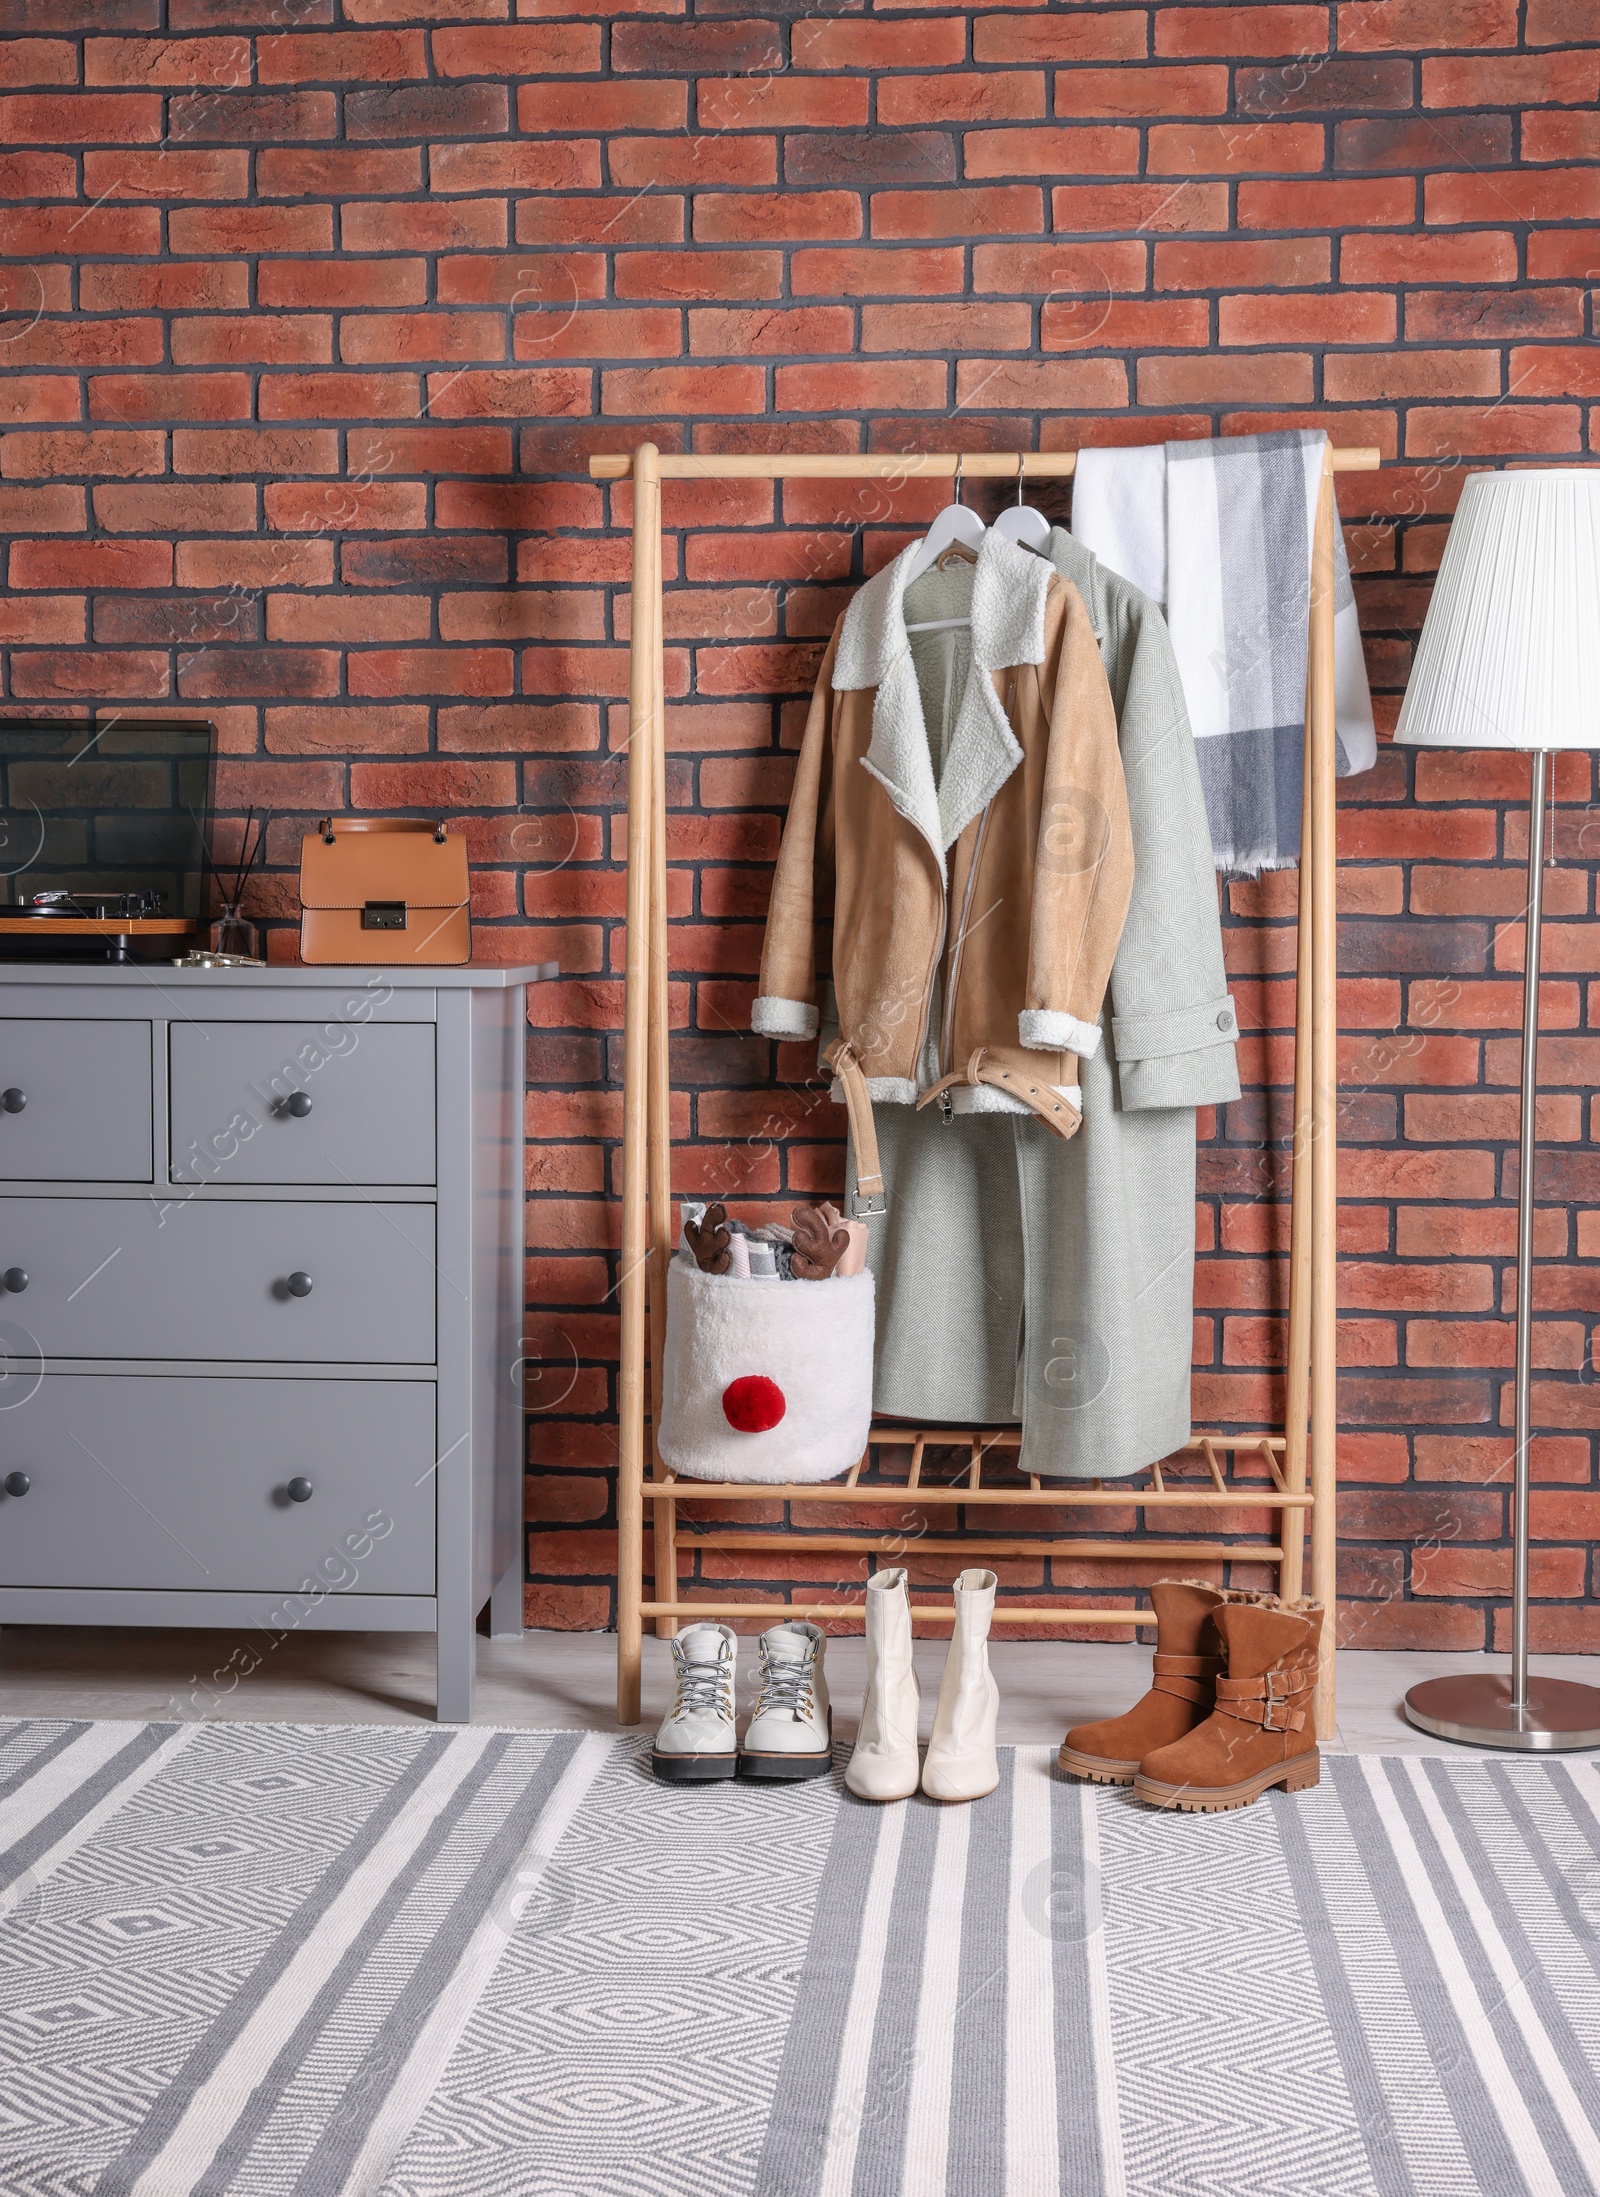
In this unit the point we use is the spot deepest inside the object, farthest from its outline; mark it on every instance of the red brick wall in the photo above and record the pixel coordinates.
(316, 312)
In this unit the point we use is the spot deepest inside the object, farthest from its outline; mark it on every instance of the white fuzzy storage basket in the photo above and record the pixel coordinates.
(731, 1343)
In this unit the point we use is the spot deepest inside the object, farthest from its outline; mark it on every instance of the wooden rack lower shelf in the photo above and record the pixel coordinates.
(916, 1495)
(935, 1613)
(982, 1444)
(890, 1491)
(842, 1544)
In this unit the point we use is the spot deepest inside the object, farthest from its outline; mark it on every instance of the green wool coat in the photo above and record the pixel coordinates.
(1023, 1278)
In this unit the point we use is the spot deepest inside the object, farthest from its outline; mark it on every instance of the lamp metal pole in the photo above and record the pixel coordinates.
(1484, 1708)
(1528, 1152)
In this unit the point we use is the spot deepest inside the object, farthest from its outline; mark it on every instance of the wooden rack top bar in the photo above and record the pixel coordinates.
(991, 465)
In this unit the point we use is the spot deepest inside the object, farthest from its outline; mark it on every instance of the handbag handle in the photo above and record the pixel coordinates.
(382, 824)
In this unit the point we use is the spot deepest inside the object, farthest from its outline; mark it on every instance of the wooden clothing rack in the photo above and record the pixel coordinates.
(1297, 1474)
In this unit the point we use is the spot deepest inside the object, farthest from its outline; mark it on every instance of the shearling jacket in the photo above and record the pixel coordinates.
(977, 906)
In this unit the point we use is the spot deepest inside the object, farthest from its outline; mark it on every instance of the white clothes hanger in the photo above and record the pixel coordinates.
(1024, 523)
(955, 527)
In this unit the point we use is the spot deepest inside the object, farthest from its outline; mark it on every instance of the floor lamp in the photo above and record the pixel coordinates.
(1510, 658)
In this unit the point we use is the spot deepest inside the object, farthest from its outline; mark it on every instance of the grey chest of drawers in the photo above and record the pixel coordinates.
(260, 1325)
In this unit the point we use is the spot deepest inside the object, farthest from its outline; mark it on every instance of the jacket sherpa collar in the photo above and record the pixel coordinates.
(1009, 589)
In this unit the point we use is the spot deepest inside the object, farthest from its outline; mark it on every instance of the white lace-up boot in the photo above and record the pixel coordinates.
(961, 1762)
(791, 1732)
(698, 1738)
(884, 1765)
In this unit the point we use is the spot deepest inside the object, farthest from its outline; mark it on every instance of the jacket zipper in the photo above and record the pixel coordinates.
(933, 969)
(948, 1030)
(947, 1023)
(933, 965)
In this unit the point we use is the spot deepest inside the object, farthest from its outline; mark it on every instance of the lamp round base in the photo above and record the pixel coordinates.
(1561, 1716)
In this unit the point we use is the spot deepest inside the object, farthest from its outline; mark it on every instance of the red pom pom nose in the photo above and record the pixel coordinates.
(752, 1404)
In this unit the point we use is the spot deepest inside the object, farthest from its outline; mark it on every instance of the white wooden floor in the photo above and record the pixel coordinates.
(568, 1680)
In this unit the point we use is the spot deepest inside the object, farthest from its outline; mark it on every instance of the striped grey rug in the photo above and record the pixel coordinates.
(253, 1960)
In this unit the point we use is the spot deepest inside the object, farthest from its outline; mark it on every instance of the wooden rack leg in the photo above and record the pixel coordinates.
(644, 699)
(1297, 1400)
(664, 1564)
(1324, 1097)
(659, 1114)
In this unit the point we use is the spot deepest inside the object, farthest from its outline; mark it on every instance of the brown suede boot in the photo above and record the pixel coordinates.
(1189, 1660)
(1263, 1730)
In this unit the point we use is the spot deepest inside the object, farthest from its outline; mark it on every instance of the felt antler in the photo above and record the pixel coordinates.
(818, 1247)
(708, 1239)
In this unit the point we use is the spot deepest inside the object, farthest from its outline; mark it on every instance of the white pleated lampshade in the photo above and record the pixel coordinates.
(1510, 649)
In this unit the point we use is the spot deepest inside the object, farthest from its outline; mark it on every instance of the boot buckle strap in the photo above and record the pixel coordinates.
(1279, 1692)
(1258, 1700)
(1186, 1677)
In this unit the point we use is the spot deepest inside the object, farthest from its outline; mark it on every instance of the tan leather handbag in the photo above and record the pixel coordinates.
(384, 889)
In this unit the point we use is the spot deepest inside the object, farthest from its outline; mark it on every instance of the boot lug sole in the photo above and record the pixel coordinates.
(1097, 1769)
(788, 1767)
(1200, 1800)
(692, 1769)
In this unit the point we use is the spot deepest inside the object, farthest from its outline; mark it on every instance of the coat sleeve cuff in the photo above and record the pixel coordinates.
(771, 1017)
(1208, 1077)
(1048, 1030)
(1185, 1058)
(1185, 1030)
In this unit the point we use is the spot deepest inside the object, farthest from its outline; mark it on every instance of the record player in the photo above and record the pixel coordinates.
(102, 837)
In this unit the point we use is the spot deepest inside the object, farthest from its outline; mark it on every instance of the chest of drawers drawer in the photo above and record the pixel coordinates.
(219, 1484)
(75, 1101)
(302, 1102)
(204, 1277)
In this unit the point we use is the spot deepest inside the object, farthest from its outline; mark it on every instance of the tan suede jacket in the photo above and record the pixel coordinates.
(977, 912)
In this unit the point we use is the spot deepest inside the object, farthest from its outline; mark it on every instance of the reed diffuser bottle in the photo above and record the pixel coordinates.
(232, 933)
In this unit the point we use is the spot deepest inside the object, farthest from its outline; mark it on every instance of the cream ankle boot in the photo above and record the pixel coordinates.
(884, 1765)
(961, 1762)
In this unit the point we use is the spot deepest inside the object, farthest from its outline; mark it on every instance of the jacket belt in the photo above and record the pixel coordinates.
(1042, 1099)
(867, 1201)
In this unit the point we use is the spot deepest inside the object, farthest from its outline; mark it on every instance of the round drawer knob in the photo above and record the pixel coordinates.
(298, 1103)
(13, 1100)
(17, 1483)
(15, 1279)
(299, 1284)
(300, 1489)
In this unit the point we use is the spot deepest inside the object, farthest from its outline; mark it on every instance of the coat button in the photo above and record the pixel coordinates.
(1224, 1020)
